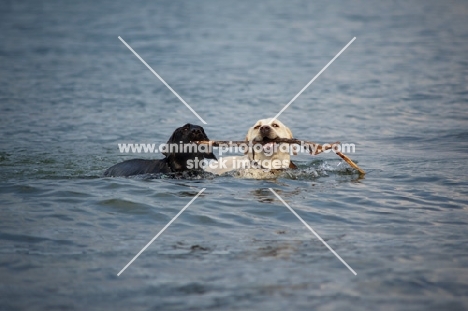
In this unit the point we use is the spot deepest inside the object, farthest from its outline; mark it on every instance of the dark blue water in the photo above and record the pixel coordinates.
(70, 91)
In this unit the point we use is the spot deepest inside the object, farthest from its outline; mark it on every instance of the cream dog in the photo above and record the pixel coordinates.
(260, 161)
(272, 155)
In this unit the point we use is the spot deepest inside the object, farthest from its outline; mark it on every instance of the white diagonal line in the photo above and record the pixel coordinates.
(312, 230)
(160, 232)
(162, 80)
(313, 79)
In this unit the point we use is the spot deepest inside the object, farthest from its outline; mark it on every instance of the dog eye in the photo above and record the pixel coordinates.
(275, 125)
(257, 127)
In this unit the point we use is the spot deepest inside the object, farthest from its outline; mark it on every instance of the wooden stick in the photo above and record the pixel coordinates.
(351, 163)
(313, 148)
(310, 145)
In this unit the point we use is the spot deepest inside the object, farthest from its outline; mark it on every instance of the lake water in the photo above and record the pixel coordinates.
(71, 91)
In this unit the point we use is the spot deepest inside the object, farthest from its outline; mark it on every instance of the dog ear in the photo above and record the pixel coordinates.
(247, 140)
(248, 134)
(170, 141)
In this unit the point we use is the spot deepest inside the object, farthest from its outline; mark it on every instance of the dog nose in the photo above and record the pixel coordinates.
(197, 132)
(264, 130)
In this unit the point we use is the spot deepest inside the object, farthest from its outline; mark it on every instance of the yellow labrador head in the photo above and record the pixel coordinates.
(269, 129)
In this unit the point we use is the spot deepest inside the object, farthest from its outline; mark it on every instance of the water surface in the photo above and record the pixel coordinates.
(71, 91)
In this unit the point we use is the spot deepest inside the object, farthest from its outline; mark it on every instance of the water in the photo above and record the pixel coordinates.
(70, 91)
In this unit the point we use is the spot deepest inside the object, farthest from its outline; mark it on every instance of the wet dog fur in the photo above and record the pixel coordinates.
(262, 130)
(172, 163)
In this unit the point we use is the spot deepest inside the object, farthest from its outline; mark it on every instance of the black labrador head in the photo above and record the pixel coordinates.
(178, 154)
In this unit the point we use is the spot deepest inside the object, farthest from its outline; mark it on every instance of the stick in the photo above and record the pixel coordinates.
(351, 163)
(313, 148)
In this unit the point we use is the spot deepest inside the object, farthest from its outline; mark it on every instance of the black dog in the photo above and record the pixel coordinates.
(173, 162)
